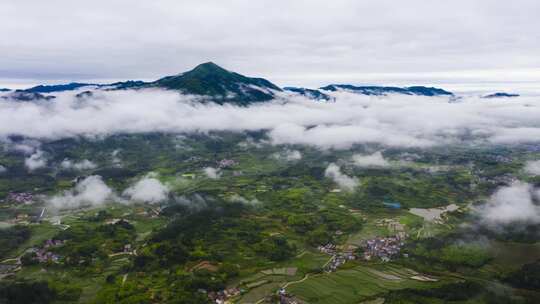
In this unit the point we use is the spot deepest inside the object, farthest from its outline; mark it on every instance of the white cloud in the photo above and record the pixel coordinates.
(36, 161)
(195, 202)
(532, 167)
(3, 169)
(115, 159)
(344, 181)
(212, 173)
(240, 199)
(91, 191)
(26, 146)
(147, 190)
(511, 205)
(288, 155)
(84, 164)
(373, 160)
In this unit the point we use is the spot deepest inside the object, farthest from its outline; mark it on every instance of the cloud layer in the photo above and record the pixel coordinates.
(35, 161)
(212, 173)
(372, 160)
(84, 164)
(147, 190)
(514, 204)
(344, 181)
(532, 167)
(91, 191)
(396, 121)
(288, 155)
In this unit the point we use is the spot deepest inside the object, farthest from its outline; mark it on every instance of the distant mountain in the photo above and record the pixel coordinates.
(381, 90)
(85, 94)
(4, 90)
(58, 87)
(20, 95)
(223, 86)
(123, 85)
(501, 95)
(309, 93)
(77, 85)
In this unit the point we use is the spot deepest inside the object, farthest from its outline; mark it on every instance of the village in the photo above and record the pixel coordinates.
(382, 248)
(19, 197)
(44, 254)
(222, 296)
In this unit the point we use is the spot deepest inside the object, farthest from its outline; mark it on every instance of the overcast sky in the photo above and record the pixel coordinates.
(457, 43)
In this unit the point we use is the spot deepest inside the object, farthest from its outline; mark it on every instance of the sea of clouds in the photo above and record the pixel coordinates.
(395, 121)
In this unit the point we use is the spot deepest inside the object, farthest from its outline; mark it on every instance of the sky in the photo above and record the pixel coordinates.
(460, 44)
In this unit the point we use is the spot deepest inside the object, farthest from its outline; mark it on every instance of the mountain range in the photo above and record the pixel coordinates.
(226, 87)
(500, 95)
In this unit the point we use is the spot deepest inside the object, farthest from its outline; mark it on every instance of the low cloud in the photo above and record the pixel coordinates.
(373, 160)
(288, 155)
(115, 158)
(532, 167)
(147, 190)
(212, 173)
(514, 204)
(194, 203)
(36, 161)
(240, 199)
(84, 164)
(344, 181)
(3, 169)
(91, 191)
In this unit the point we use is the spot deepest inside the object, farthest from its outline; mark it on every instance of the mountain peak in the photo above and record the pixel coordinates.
(208, 66)
(223, 86)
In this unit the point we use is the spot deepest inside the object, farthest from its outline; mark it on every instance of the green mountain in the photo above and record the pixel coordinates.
(223, 86)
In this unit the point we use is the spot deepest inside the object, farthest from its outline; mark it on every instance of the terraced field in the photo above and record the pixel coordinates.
(268, 281)
(357, 284)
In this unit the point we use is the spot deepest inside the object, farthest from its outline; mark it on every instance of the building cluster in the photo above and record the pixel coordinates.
(285, 298)
(127, 248)
(501, 159)
(44, 255)
(222, 296)
(504, 179)
(20, 197)
(383, 248)
(52, 243)
(226, 163)
(328, 248)
(339, 257)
